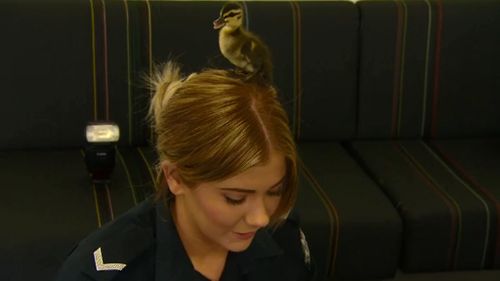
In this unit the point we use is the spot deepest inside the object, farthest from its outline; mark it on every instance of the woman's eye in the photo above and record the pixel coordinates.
(275, 192)
(234, 200)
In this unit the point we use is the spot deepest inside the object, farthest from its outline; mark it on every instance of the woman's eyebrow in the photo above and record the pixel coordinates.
(244, 190)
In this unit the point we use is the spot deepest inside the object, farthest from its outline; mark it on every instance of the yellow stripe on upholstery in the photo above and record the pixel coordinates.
(150, 50)
(125, 168)
(99, 221)
(334, 220)
(94, 78)
(96, 201)
(151, 174)
(129, 77)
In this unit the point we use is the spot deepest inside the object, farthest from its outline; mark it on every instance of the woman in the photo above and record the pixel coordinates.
(226, 184)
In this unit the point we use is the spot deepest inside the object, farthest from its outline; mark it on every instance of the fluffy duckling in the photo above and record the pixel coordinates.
(241, 47)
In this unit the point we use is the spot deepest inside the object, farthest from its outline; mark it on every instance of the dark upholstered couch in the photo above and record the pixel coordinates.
(395, 106)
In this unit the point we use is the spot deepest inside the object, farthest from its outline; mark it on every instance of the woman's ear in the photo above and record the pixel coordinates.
(172, 178)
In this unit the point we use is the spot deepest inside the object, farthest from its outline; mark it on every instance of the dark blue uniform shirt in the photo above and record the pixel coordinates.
(143, 245)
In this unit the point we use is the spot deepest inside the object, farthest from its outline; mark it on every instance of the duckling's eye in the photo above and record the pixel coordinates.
(234, 200)
(230, 15)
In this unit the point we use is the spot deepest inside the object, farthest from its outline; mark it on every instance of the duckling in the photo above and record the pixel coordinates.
(241, 47)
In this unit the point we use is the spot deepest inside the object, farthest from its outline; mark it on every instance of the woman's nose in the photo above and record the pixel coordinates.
(257, 216)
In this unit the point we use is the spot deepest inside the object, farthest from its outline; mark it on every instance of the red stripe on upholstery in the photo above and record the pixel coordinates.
(455, 165)
(451, 264)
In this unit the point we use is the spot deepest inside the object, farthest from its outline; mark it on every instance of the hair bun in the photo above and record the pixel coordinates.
(164, 84)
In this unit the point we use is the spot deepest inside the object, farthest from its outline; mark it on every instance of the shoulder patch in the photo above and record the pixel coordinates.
(101, 266)
(305, 248)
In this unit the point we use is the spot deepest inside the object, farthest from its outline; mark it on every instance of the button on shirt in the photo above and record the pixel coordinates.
(143, 244)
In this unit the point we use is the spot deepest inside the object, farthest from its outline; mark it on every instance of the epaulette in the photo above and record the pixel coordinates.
(116, 253)
(291, 237)
(305, 249)
(109, 250)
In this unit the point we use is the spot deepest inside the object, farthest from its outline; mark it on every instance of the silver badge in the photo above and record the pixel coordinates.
(305, 248)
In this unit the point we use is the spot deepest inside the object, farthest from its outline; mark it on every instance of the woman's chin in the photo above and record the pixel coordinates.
(239, 241)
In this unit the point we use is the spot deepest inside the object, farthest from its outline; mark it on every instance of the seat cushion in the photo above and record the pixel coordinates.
(477, 163)
(49, 204)
(450, 220)
(359, 238)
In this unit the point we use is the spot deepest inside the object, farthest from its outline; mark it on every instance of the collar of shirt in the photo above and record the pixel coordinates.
(173, 263)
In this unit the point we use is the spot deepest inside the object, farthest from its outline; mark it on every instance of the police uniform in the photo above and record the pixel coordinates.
(143, 245)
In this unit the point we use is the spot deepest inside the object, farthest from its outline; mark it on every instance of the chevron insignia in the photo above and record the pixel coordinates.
(101, 266)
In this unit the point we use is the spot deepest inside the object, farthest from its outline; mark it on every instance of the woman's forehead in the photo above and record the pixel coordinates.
(261, 177)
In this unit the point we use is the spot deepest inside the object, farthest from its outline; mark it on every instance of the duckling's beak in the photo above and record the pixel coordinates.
(219, 23)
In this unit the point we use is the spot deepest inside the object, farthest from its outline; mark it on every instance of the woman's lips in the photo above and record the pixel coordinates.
(244, 235)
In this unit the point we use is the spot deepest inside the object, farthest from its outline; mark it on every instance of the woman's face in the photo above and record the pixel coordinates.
(228, 213)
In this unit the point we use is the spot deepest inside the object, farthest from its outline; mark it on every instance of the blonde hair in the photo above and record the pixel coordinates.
(216, 124)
